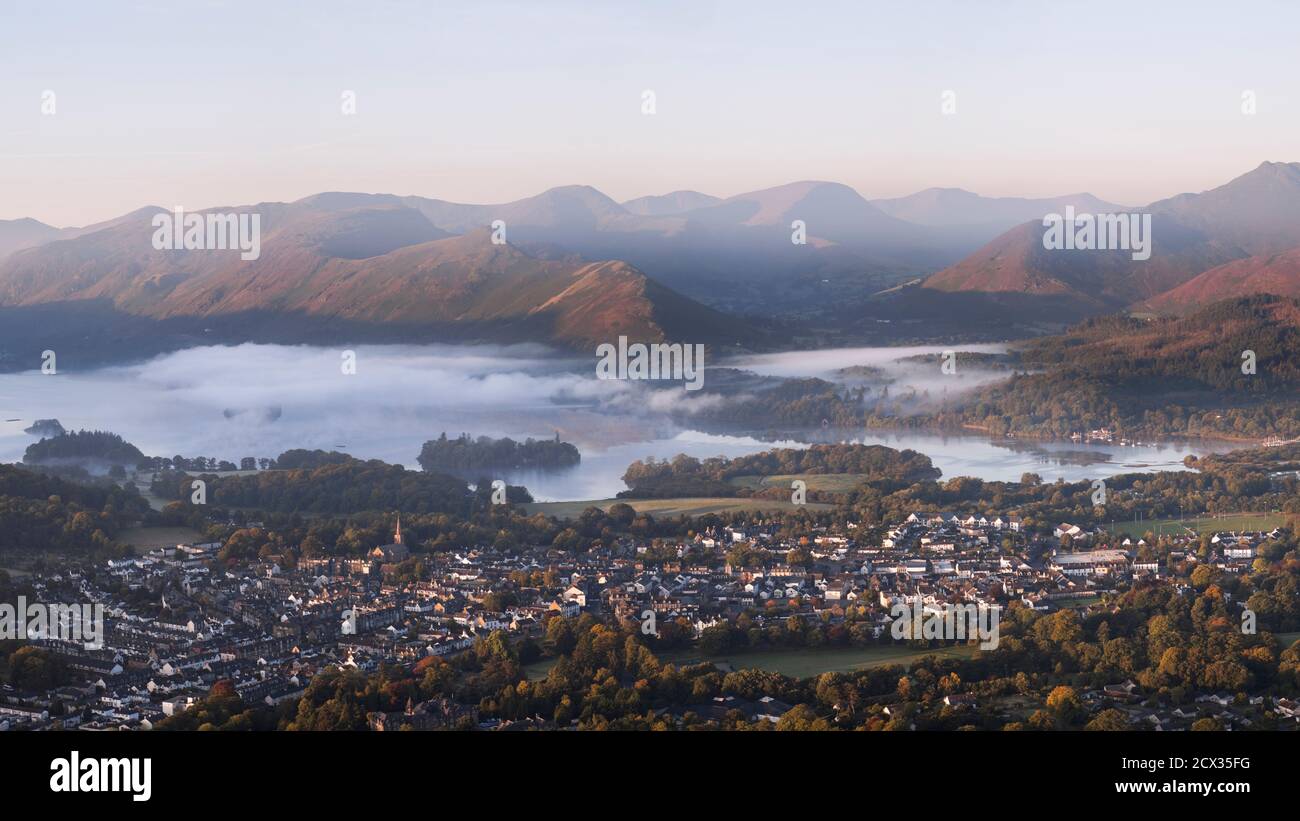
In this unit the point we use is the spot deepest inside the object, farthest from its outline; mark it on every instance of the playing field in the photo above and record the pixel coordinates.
(692, 506)
(802, 663)
(805, 663)
(1203, 524)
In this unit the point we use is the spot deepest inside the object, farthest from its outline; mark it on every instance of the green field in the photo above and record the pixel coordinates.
(828, 482)
(1207, 524)
(802, 663)
(538, 670)
(693, 506)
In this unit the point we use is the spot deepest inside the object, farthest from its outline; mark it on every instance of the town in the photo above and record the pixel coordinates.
(181, 624)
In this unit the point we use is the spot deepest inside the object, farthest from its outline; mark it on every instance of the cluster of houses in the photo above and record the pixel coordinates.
(1227, 709)
(177, 621)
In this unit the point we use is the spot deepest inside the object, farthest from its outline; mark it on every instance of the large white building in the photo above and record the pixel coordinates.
(1091, 563)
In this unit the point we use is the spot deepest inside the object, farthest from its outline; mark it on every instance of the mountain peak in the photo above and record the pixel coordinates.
(672, 203)
(27, 222)
(1288, 171)
(586, 194)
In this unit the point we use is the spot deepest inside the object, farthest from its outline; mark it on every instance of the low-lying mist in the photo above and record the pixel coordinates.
(229, 402)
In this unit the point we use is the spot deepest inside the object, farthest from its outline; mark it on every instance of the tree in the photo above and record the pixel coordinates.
(1202, 576)
(802, 718)
(35, 669)
(1064, 701)
(1109, 720)
(559, 639)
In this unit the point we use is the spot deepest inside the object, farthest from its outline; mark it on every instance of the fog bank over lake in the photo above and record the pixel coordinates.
(260, 400)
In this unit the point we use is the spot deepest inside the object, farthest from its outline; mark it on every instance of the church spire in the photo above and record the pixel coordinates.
(397, 535)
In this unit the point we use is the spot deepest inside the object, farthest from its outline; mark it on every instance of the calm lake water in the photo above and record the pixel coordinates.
(259, 400)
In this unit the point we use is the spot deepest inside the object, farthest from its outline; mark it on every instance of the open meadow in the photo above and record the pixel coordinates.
(689, 506)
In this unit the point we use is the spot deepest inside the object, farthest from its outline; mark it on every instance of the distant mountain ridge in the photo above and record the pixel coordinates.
(1255, 213)
(18, 234)
(734, 253)
(955, 206)
(670, 204)
(680, 265)
(380, 265)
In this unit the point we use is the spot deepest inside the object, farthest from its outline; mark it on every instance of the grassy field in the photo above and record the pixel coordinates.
(1227, 521)
(1287, 639)
(150, 537)
(802, 663)
(829, 482)
(1074, 604)
(538, 670)
(693, 506)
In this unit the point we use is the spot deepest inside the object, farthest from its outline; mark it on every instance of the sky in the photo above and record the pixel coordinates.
(205, 104)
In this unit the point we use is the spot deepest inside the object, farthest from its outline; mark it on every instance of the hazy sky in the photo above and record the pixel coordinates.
(219, 103)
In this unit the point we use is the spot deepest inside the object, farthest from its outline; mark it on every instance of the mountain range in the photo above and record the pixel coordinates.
(576, 266)
(1240, 226)
(378, 269)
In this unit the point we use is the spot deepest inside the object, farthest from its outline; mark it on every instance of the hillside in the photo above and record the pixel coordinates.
(1261, 274)
(371, 272)
(18, 234)
(579, 266)
(1258, 212)
(734, 255)
(1154, 377)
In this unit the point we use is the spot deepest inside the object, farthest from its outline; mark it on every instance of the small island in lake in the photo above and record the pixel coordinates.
(465, 453)
(83, 447)
(45, 427)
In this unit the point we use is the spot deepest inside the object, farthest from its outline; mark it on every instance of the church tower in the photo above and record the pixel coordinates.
(397, 534)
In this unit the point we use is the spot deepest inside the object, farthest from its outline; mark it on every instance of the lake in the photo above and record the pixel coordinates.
(259, 400)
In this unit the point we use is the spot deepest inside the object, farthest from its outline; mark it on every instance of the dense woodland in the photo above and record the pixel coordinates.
(297, 458)
(41, 513)
(345, 487)
(84, 446)
(464, 454)
(1269, 460)
(789, 405)
(1156, 377)
(897, 483)
(1137, 377)
(178, 462)
(685, 476)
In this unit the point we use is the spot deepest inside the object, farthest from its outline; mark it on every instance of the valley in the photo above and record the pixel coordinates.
(574, 268)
